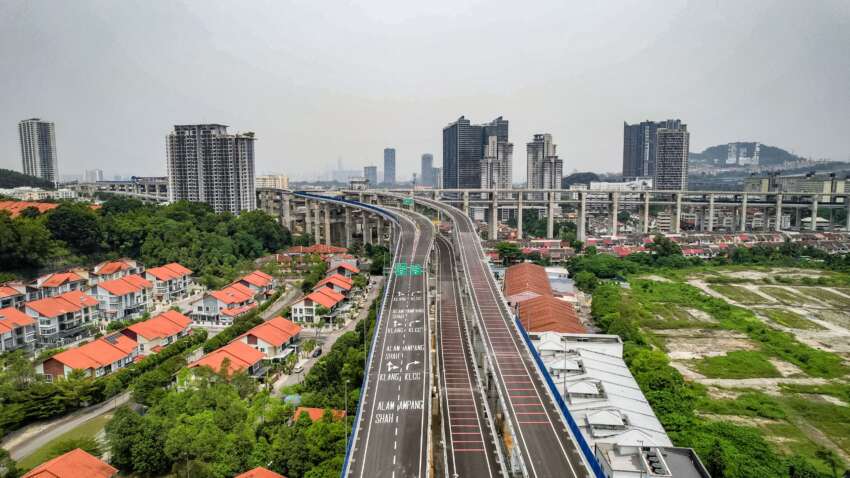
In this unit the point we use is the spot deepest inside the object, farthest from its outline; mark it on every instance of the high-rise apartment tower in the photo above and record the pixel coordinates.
(206, 164)
(389, 166)
(463, 150)
(38, 149)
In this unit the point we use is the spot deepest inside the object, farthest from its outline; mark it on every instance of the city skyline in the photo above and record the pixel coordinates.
(602, 60)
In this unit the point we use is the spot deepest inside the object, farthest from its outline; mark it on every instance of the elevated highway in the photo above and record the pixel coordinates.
(391, 433)
(539, 442)
(470, 443)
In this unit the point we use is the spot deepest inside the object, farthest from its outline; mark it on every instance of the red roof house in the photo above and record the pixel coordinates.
(17, 329)
(338, 283)
(74, 464)
(304, 310)
(97, 358)
(171, 281)
(317, 413)
(127, 297)
(272, 337)
(260, 472)
(242, 357)
(64, 316)
(160, 331)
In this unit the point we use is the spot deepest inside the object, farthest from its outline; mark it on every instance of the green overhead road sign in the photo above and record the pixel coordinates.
(403, 269)
(407, 201)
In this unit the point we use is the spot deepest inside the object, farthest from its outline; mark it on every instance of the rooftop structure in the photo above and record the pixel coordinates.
(260, 472)
(74, 464)
(240, 357)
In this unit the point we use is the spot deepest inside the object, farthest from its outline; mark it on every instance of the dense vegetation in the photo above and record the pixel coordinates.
(25, 398)
(768, 155)
(220, 425)
(12, 179)
(215, 246)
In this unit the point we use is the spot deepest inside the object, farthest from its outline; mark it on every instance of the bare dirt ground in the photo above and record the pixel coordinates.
(655, 278)
(691, 344)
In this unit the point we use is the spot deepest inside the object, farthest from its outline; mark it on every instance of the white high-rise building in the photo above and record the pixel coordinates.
(206, 164)
(272, 181)
(545, 169)
(38, 149)
(93, 175)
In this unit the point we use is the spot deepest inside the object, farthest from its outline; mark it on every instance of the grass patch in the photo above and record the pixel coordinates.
(87, 429)
(789, 319)
(833, 420)
(837, 390)
(737, 364)
(750, 404)
(667, 316)
(828, 297)
(738, 294)
(784, 295)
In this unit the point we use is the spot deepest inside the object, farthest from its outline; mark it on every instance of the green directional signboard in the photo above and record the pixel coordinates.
(403, 269)
(407, 201)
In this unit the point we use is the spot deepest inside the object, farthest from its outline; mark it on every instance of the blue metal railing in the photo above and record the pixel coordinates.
(582, 443)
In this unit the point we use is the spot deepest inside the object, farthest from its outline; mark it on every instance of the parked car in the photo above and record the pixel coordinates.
(316, 352)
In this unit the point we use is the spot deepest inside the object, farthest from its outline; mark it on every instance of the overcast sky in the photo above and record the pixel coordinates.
(322, 80)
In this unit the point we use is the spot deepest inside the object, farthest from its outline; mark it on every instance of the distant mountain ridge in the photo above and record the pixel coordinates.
(768, 155)
(13, 179)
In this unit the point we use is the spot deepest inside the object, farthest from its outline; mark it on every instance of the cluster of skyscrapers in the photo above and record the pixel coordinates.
(657, 150)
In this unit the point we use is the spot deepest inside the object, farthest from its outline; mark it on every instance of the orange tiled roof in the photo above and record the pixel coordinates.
(98, 353)
(163, 325)
(6, 291)
(233, 294)
(169, 271)
(258, 279)
(548, 314)
(316, 249)
(69, 302)
(12, 318)
(317, 413)
(260, 472)
(74, 464)
(527, 277)
(241, 356)
(237, 311)
(16, 207)
(276, 331)
(112, 267)
(338, 280)
(125, 285)
(348, 267)
(324, 296)
(55, 280)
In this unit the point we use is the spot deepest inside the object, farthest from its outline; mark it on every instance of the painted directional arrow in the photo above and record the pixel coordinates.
(415, 362)
(391, 366)
(396, 323)
(413, 322)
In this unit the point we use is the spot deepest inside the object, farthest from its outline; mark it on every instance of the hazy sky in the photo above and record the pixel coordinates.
(322, 80)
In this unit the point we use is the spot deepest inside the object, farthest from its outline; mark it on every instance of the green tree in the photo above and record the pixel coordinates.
(122, 432)
(586, 281)
(799, 467)
(76, 225)
(664, 247)
(509, 252)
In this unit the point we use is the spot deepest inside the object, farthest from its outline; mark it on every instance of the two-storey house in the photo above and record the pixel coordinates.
(64, 318)
(125, 298)
(171, 282)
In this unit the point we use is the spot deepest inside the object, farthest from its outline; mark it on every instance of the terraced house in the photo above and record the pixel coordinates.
(112, 270)
(170, 282)
(221, 307)
(97, 358)
(63, 319)
(161, 331)
(17, 330)
(125, 298)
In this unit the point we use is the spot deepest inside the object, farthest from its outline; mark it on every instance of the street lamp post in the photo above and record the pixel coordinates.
(345, 417)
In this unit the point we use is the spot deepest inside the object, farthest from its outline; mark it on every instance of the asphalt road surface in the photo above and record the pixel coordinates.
(538, 429)
(470, 446)
(391, 436)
